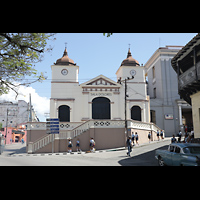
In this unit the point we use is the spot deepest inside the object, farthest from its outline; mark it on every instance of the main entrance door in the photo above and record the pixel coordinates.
(100, 108)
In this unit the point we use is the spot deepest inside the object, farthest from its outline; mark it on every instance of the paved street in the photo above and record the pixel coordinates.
(141, 156)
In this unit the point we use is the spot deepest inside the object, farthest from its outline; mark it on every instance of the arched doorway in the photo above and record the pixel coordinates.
(64, 113)
(136, 113)
(100, 108)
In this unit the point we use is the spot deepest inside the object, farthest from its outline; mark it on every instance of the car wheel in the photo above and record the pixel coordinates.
(161, 162)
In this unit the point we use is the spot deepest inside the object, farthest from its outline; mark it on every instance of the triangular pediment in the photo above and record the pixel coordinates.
(100, 80)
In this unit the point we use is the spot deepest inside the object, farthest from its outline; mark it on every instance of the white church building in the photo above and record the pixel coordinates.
(94, 109)
(100, 97)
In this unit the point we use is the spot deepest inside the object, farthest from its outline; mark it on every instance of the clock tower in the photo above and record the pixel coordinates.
(65, 69)
(64, 86)
(131, 67)
(137, 100)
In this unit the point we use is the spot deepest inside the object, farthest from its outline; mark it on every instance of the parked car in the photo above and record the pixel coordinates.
(179, 154)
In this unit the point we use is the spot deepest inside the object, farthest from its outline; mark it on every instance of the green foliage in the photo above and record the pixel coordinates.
(108, 34)
(18, 52)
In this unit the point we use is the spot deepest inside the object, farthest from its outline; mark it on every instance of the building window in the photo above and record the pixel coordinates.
(64, 113)
(136, 113)
(154, 75)
(153, 116)
(154, 92)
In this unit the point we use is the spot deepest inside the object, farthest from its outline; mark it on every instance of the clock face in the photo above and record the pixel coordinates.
(133, 72)
(64, 72)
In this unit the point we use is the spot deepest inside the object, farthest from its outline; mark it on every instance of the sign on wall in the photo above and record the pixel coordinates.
(169, 116)
(52, 126)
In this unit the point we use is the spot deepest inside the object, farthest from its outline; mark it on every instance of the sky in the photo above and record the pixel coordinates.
(95, 54)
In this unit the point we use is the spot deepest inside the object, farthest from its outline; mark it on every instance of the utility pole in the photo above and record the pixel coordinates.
(125, 111)
(125, 103)
(6, 125)
(30, 108)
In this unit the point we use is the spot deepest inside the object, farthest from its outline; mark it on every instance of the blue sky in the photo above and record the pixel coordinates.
(96, 54)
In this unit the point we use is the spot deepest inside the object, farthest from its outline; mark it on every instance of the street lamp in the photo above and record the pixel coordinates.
(126, 95)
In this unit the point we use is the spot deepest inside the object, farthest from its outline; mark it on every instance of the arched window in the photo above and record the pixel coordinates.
(136, 113)
(100, 108)
(64, 113)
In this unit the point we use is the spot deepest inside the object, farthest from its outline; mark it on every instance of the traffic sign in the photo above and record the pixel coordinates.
(52, 126)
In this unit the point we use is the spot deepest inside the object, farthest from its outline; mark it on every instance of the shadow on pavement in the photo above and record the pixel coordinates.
(14, 149)
(145, 159)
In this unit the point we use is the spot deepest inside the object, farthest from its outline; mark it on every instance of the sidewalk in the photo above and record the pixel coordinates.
(17, 149)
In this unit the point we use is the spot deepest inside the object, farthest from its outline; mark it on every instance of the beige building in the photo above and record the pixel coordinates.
(100, 97)
(94, 109)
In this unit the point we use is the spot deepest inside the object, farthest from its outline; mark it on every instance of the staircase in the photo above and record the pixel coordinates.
(72, 130)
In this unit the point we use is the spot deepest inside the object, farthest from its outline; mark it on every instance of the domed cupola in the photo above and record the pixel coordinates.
(65, 60)
(130, 61)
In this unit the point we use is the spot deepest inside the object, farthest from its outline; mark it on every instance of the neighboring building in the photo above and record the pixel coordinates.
(186, 64)
(100, 97)
(16, 134)
(168, 111)
(15, 113)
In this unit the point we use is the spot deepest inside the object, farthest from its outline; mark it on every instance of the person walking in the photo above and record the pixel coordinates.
(173, 139)
(128, 142)
(92, 145)
(161, 134)
(149, 137)
(158, 135)
(136, 138)
(78, 145)
(70, 146)
(132, 137)
(179, 136)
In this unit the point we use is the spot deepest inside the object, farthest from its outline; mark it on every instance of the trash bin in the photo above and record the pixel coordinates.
(2, 140)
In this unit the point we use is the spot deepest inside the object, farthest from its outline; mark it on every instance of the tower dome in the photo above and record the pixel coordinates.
(130, 61)
(65, 60)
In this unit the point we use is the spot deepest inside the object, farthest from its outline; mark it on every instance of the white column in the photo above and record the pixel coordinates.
(144, 109)
(180, 115)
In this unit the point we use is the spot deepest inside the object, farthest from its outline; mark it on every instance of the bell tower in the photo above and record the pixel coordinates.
(65, 69)
(64, 86)
(131, 67)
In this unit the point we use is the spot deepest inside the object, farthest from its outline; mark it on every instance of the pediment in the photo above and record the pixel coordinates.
(100, 81)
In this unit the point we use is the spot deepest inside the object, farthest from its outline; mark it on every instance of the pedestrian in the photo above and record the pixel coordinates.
(78, 145)
(161, 134)
(158, 135)
(149, 136)
(92, 145)
(136, 138)
(22, 140)
(179, 136)
(70, 146)
(132, 137)
(10, 140)
(173, 140)
(128, 142)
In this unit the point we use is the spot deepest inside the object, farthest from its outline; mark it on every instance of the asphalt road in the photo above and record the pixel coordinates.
(140, 156)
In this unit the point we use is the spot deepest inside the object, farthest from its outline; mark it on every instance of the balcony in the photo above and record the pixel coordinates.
(189, 81)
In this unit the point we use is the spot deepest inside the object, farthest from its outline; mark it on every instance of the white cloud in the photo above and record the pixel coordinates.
(40, 104)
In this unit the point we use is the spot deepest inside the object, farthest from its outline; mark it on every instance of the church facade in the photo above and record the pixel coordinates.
(99, 98)
(94, 109)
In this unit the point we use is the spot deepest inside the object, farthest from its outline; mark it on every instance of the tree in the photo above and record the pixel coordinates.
(108, 34)
(18, 52)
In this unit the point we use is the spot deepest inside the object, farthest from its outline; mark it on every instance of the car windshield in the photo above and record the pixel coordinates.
(192, 150)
